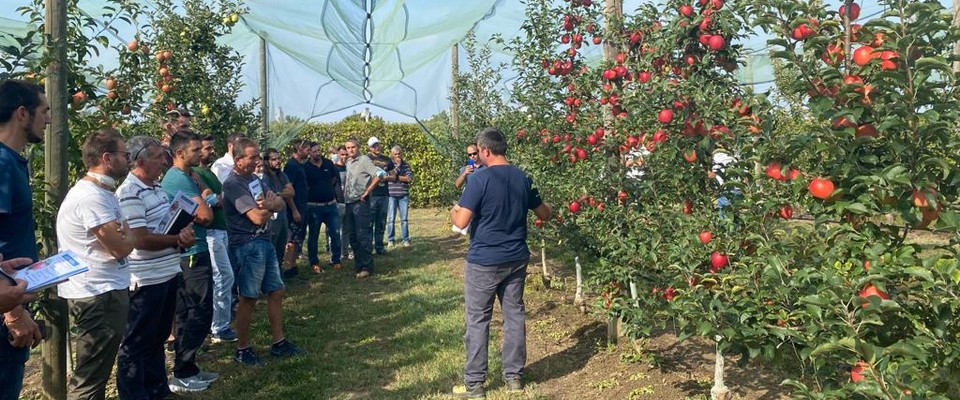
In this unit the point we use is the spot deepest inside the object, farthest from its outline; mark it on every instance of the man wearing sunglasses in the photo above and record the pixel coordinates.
(473, 165)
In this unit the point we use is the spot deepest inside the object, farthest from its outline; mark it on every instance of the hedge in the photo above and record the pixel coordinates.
(431, 169)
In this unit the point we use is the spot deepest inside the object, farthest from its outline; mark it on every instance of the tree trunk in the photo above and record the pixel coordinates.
(719, 391)
(53, 308)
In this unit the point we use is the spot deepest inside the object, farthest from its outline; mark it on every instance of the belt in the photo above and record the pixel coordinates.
(331, 202)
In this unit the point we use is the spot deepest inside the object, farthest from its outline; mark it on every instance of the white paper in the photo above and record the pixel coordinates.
(180, 202)
(256, 190)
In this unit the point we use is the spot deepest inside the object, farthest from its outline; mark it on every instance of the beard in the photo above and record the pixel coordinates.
(33, 137)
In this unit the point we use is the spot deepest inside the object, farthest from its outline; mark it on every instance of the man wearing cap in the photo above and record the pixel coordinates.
(379, 197)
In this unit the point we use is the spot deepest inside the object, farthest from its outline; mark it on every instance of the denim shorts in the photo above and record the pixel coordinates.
(258, 272)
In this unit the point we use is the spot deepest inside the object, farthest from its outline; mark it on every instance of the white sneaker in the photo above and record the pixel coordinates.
(406, 244)
(187, 385)
(389, 245)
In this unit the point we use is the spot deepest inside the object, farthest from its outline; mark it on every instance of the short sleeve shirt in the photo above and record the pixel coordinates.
(145, 206)
(298, 178)
(397, 188)
(86, 207)
(466, 180)
(175, 180)
(17, 237)
(212, 182)
(360, 172)
(499, 198)
(237, 200)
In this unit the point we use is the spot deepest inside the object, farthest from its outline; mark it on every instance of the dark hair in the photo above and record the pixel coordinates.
(341, 147)
(208, 138)
(492, 139)
(97, 143)
(268, 152)
(311, 143)
(240, 146)
(16, 93)
(175, 114)
(181, 139)
(232, 139)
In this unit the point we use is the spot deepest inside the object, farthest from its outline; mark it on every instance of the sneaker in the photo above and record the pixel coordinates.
(350, 255)
(206, 376)
(187, 385)
(514, 384)
(389, 245)
(285, 349)
(317, 268)
(335, 267)
(363, 274)
(225, 335)
(469, 392)
(247, 357)
(406, 243)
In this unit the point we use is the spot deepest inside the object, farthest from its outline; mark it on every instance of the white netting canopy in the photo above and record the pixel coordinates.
(330, 57)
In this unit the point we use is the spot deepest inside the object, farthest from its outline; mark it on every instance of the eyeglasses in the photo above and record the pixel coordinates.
(136, 156)
(473, 154)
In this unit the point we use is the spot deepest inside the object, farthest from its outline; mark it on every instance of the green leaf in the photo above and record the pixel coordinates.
(830, 347)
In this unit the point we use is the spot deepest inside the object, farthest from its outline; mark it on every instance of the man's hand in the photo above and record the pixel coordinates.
(363, 197)
(468, 170)
(297, 217)
(13, 296)
(187, 238)
(23, 331)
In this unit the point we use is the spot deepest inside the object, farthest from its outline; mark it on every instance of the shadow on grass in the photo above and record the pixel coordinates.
(571, 359)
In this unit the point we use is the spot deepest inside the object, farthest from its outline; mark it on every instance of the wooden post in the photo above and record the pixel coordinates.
(264, 105)
(613, 22)
(53, 308)
(956, 46)
(454, 97)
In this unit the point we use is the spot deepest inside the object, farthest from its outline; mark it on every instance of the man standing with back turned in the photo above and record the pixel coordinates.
(495, 204)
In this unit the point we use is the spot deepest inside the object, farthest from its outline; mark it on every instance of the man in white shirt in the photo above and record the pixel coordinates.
(91, 225)
(154, 275)
(224, 165)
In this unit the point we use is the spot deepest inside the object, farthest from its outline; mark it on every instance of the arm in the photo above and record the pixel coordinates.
(11, 297)
(461, 216)
(146, 240)
(462, 179)
(543, 211)
(259, 216)
(204, 214)
(373, 184)
(287, 192)
(272, 202)
(116, 237)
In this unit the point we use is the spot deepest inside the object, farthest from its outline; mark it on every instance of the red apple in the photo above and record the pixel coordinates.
(665, 116)
(717, 261)
(706, 237)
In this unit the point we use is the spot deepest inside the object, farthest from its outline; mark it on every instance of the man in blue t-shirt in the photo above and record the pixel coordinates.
(194, 311)
(24, 114)
(495, 205)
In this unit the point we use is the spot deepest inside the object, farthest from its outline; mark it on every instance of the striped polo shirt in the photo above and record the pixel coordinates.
(144, 207)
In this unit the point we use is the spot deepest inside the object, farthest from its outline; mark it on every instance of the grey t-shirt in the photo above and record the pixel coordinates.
(237, 200)
(360, 172)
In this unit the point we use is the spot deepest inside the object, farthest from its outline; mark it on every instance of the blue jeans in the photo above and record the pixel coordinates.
(258, 272)
(393, 204)
(222, 279)
(11, 367)
(329, 216)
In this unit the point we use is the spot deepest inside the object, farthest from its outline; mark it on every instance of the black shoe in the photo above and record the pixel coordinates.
(285, 349)
(514, 384)
(469, 392)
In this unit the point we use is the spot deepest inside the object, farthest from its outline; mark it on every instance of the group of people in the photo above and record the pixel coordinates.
(147, 282)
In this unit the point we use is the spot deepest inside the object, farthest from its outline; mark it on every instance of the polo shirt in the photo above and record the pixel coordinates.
(146, 206)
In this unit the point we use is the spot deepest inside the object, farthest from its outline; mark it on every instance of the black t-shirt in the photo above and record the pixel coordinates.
(342, 170)
(322, 180)
(237, 200)
(386, 164)
(298, 178)
(499, 197)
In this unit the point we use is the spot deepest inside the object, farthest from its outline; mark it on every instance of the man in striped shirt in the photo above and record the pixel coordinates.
(154, 274)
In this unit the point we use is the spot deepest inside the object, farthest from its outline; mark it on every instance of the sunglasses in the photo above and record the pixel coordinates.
(473, 154)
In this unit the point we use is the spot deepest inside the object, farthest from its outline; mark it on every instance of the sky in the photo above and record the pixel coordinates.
(322, 52)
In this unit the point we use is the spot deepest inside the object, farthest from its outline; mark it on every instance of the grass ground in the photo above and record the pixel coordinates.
(399, 335)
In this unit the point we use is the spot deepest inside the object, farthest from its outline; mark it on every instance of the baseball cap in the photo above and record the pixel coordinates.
(372, 141)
